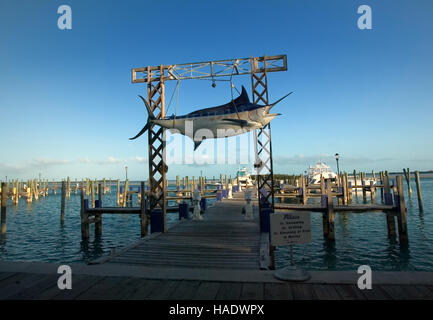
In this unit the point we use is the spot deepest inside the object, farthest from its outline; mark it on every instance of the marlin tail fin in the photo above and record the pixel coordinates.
(150, 118)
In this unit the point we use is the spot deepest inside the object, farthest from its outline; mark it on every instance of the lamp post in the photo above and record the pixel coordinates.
(126, 170)
(337, 156)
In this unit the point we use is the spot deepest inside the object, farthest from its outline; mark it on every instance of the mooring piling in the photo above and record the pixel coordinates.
(330, 215)
(4, 200)
(401, 212)
(407, 176)
(85, 232)
(63, 200)
(390, 221)
(418, 190)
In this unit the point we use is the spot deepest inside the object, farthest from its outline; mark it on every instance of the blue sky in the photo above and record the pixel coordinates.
(68, 105)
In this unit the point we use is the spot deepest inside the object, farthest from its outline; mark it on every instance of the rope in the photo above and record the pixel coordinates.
(169, 104)
(177, 101)
(231, 90)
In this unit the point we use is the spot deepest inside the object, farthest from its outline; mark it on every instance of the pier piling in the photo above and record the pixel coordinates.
(85, 233)
(62, 206)
(143, 214)
(401, 212)
(407, 176)
(418, 190)
(4, 200)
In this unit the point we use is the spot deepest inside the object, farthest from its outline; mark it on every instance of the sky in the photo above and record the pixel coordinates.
(68, 107)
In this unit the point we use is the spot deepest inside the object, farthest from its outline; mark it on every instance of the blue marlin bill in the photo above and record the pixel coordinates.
(233, 118)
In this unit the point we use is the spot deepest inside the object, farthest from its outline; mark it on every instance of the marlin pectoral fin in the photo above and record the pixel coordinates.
(239, 122)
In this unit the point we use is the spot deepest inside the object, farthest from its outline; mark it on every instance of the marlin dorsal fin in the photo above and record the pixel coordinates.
(197, 144)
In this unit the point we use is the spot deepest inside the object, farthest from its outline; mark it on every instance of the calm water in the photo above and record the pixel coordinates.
(361, 238)
(34, 233)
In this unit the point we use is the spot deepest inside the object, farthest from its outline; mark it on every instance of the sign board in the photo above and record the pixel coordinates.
(290, 228)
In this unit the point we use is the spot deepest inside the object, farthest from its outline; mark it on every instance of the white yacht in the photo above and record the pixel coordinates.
(244, 178)
(321, 169)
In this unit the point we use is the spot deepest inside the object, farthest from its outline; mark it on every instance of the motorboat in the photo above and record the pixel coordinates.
(321, 169)
(244, 178)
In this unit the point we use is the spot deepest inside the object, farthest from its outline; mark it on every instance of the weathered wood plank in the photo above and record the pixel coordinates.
(19, 283)
(303, 291)
(376, 293)
(78, 287)
(278, 291)
(229, 291)
(252, 291)
(79, 284)
(419, 292)
(5, 275)
(207, 291)
(326, 292)
(106, 288)
(143, 289)
(185, 291)
(397, 292)
(46, 282)
(164, 290)
(349, 292)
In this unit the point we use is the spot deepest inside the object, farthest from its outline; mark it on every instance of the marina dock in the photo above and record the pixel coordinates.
(222, 239)
(217, 258)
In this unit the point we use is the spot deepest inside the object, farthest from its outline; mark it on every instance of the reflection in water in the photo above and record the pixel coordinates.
(3, 243)
(405, 257)
(329, 254)
(29, 207)
(343, 222)
(92, 249)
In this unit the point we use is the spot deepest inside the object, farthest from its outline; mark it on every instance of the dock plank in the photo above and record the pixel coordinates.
(252, 291)
(108, 287)
(207, 291)
(397, 292)
(278, 291)
(222, 239)
(12, 286)
(143, 289)
(303, 291)
(326, 292)
(376, 293)
(165, 289)
(47, 282)
(185, 290)
(349, 292)
(229, 291)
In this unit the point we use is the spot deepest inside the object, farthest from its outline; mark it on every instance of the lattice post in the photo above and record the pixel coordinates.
(157, 165)
(264, 165)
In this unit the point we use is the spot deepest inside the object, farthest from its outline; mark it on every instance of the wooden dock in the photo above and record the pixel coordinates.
(38, 281)
(223, 239)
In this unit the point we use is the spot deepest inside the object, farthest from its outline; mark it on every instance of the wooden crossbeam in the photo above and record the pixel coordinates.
(210, 69)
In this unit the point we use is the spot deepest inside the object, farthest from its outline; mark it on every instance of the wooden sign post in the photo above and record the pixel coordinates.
(291, 228)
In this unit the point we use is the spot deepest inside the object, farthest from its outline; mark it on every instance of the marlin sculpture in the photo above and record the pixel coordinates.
(233, 118)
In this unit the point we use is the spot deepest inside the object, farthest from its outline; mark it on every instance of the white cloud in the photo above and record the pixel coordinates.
(138, 159)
